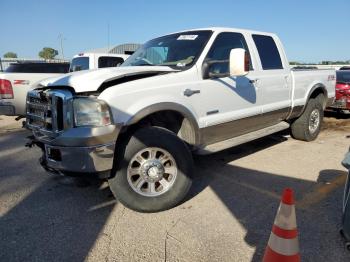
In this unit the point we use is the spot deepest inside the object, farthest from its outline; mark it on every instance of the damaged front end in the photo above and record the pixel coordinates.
(72, 142)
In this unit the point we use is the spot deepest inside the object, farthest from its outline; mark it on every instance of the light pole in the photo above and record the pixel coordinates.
(61, 38)
(108, 35)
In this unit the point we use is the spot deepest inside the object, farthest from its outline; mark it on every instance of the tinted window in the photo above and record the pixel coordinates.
(343, 76)
(220, 50)
(268, 52)
(79, 63)
(109, 61)
(38, 68)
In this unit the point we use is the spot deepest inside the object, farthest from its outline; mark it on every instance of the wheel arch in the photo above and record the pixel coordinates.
(317, 89)
(189, 129)
(314, 91)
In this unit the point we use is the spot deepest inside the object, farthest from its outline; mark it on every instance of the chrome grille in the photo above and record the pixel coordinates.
(48, 112)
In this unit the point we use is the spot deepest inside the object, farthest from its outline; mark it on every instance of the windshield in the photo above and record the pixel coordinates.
(179, 50)
(79, 63)
(343, 76)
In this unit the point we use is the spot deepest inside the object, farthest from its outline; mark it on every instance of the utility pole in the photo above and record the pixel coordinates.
(108, 35)
(61, 38)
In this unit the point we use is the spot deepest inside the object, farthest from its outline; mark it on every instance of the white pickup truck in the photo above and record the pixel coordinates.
(196, 91)
(17, 80)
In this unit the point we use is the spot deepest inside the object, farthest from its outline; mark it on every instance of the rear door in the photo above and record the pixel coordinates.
(272, 78)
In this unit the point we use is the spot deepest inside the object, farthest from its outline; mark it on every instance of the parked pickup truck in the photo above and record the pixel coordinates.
(86, 61)
(197, 91)
(18, 79)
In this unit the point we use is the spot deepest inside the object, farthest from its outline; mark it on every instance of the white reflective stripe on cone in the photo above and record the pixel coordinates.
(286, 218)
(286, 247)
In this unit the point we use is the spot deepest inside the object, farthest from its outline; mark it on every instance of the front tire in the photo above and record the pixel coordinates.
(154, 171)
(308, 125)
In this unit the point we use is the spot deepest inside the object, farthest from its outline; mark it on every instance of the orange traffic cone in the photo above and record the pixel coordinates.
(283, 245)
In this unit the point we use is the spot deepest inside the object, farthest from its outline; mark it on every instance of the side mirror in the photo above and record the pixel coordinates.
(239, 62)
(238, 65)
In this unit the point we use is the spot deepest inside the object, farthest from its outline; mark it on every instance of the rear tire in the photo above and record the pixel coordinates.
(308, 125)
(154, 171)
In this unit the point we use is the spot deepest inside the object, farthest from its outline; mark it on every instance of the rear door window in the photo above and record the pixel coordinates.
(109, 61)
(79, 63)
(343, 76)
(269, 56)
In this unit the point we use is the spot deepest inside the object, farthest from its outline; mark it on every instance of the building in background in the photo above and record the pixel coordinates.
(127, 49)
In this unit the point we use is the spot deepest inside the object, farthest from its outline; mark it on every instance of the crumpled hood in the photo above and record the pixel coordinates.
(91, 80)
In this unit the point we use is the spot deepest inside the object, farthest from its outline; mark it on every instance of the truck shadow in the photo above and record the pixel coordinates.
(43, 217)
(336, 115)
(253, 197)
(62, 226)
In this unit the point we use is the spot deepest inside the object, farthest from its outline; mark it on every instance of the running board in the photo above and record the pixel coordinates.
(242, 139)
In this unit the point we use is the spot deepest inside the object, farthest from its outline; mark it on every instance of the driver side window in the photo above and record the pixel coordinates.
(157, 54)
(220, 50)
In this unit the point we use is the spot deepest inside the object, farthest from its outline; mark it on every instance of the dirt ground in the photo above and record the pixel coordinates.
(336, 121)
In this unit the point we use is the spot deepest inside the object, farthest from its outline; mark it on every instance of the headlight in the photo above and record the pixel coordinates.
(91, 112)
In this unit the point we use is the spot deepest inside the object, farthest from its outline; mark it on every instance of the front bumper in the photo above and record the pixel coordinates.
(343, 104)
(79, 150)
(93, 159)
(7, 109)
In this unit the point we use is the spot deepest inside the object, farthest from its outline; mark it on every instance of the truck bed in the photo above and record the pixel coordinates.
(306, 79)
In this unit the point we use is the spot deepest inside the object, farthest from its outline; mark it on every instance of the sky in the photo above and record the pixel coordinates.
(311, 31)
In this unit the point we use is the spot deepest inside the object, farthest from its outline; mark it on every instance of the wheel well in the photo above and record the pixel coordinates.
(170, 120)
(318, 91)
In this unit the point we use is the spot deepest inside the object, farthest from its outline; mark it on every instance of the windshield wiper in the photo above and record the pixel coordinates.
(145, 64)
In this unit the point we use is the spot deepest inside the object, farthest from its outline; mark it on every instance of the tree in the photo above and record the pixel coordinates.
(294, 63)
(10, 55)
(48, 53)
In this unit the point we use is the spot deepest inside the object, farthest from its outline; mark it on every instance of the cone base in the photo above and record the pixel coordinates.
(272, 256)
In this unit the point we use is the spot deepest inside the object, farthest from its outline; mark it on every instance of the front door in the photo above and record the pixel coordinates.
(228, 106)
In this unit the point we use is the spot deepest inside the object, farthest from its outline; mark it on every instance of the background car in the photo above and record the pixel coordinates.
(342, 98)
(19, 77)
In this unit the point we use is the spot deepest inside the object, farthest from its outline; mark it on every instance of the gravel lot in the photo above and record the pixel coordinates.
(227, 217)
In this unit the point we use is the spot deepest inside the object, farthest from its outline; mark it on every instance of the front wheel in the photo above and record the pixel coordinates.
(308, 125)
(154, 172)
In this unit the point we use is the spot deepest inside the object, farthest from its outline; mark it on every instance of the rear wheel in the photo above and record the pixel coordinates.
(154, 172)
(308, 125)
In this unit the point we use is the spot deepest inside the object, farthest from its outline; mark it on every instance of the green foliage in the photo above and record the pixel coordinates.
(345, 62)
(48, 53)
(335, 62)
(294, 63)
(10, 55)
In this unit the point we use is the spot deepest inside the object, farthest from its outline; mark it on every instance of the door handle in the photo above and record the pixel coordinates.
(286, 79)
(189, 92)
